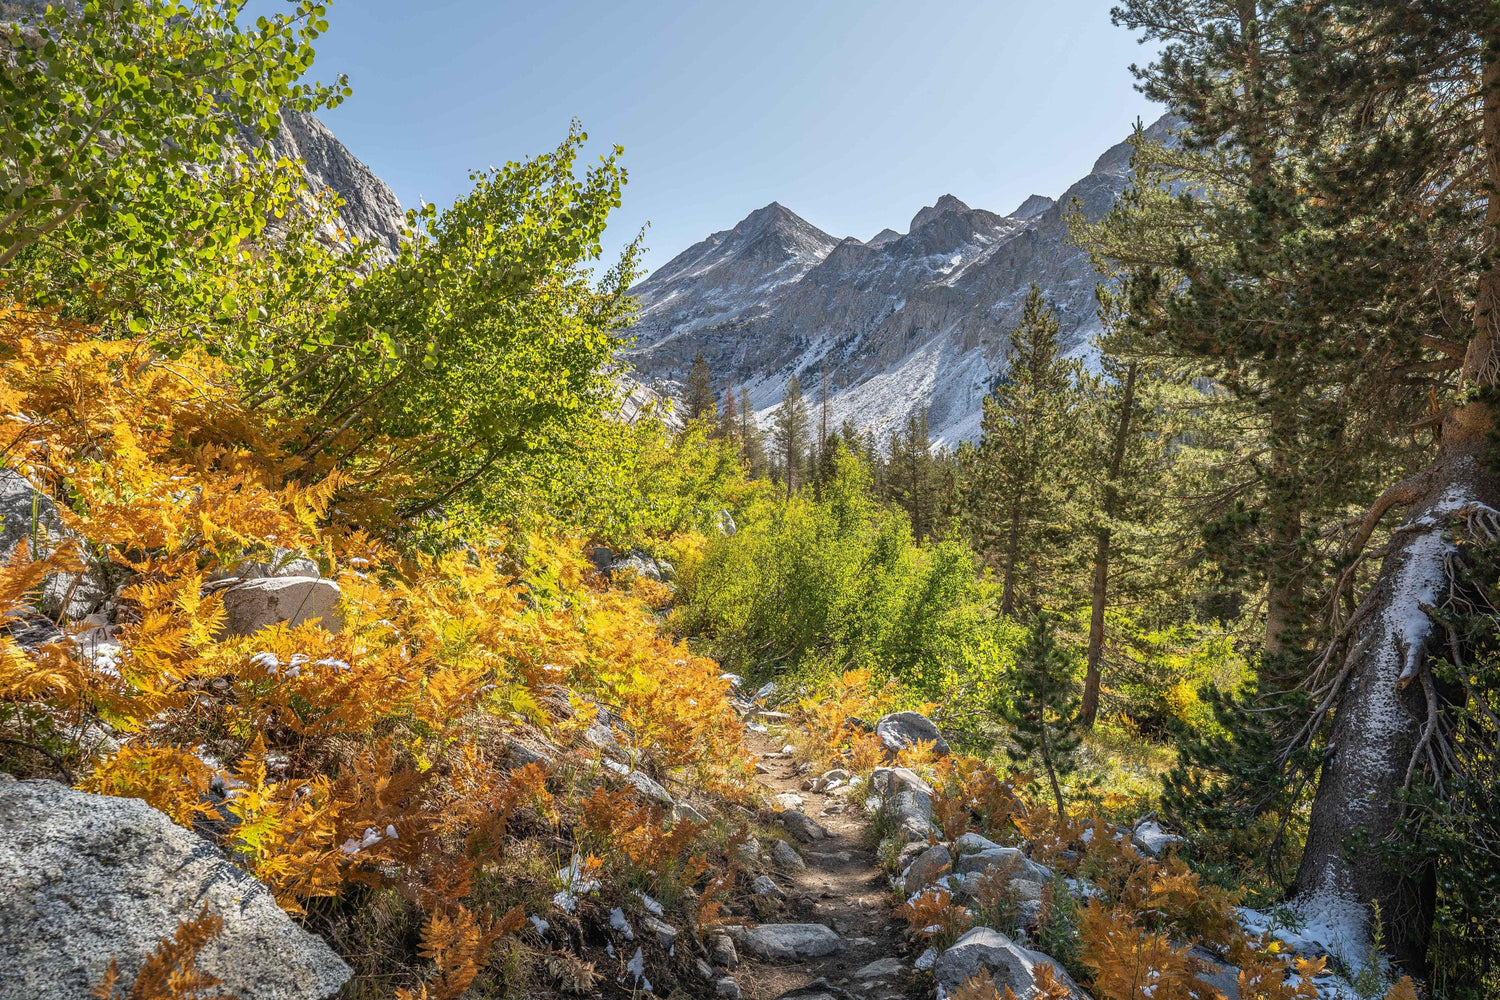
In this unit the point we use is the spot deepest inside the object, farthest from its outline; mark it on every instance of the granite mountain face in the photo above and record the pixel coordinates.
(891, 326)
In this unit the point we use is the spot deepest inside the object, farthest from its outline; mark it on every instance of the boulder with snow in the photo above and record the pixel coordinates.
(984, 949)
(900, 730)
(1150, 837)
(89, 878)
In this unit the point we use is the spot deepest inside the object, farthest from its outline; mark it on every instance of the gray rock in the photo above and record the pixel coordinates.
(1026, 869)
(705, 971)
(602, 738)
(788, 800)
(522, 754)
(900, 730)
(643, 565)
(984, 949)
(888, 781)
(283, 562)
(818, 989)
(881, 968)
(787, 942)
(828, 778)
(665, 932)
(27, 514)
(255, 604)
(787, 857)
(973, 843)
(802, 826)
(721, 949)
(763, 886)
(86, 878)
(1217, 973)
(931, 865)
(727, 987)
(643, 783)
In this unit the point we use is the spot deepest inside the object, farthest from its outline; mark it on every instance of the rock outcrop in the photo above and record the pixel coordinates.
(900, 730)
(89, 878)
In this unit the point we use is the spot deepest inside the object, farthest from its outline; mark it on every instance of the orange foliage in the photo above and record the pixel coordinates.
(361, 756)
(934, 917)
(1131, 963)
(170, 972)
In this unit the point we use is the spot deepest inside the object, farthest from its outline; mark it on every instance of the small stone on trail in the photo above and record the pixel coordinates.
(788, 942)
(881, 968)
(786, 856)
(788, 800)
(802, 826)
(727, 987)
(721, 950)
(763, 886)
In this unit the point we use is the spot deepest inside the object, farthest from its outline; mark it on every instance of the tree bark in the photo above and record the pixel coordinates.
(1088, 710)
(1375, 729)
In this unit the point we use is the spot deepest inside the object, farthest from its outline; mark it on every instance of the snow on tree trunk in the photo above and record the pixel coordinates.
(1376, 730)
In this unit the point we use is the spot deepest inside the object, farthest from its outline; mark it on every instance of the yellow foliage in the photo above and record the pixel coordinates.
(362, 756)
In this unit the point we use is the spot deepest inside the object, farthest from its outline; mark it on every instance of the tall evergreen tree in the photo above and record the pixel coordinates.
(729, 417)
(1017, 480)
(790, 432)
(910, 476)
(698, 400)
(752, 445)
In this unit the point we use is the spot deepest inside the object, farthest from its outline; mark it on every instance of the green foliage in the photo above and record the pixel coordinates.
(834, 579)
(124, 189)
(486, 340)
(1016, 479)
(1042, 707)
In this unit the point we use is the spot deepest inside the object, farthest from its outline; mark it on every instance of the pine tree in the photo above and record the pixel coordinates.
(1017, 479)
(698, 400)
(790, 432)
(729, 417)
(752, 447)
(909, 479)
(1042, 710)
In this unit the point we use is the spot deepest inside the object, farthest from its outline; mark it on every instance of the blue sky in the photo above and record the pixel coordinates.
(852, 113)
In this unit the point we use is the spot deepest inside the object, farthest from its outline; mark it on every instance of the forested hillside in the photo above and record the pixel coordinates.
(352, 643)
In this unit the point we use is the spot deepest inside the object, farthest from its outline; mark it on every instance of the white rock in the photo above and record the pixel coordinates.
(787, 942)
(763, 886)
(86, 878)
(255, 604)
(1151, 838)
(900, 730)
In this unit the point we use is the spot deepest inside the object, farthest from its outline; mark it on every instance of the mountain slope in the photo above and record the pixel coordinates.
(902, 323)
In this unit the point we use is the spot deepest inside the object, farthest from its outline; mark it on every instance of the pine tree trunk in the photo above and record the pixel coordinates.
(1012, 553)
(1375, 729)
(1088, 710)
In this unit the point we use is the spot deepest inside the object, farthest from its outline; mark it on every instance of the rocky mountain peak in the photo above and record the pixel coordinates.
(883, 237)
(1032, 207)
(946, 204)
